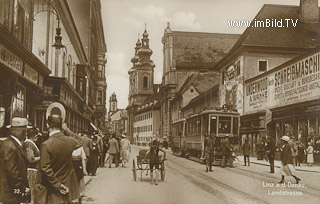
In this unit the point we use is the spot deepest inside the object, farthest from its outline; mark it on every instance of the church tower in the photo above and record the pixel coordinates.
(113, 106)
(141, 74)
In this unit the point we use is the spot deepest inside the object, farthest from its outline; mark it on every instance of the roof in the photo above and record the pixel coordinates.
(200, 50)
(303, 36)
(201, 82)
(202, 96)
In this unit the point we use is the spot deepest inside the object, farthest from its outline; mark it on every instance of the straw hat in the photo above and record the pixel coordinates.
(285, 138)
(19, 122)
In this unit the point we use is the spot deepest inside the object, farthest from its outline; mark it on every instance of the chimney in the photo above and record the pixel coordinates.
(309, 11)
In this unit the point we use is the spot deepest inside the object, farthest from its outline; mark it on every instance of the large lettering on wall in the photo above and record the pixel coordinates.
(291, 84)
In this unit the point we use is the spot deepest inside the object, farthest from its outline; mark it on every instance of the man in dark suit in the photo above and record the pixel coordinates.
(113, 150)
(56, 163)
(271, 150)
(14, 187)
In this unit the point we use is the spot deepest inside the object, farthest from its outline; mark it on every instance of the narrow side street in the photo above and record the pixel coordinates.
(187, 182)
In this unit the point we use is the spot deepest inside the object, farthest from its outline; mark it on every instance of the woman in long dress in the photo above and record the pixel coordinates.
(310, 150)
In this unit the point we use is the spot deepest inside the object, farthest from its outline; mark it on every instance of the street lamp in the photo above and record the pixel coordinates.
(58, 39)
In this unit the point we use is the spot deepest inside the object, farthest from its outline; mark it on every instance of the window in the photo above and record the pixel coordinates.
(235, 125)
(18, 105)
(99, 97)
(4, 12)
(262, 65)
(223, 77)
(213, 124)
(69, 65)
(145, 82)
(100, 71)
(224, 124)
(191, 90)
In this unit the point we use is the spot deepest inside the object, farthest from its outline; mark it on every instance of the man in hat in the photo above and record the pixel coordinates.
(125, 150)
(14, 187)
(287, 167)
(56, 163)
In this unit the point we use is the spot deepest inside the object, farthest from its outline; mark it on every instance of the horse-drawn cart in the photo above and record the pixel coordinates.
(143, 165)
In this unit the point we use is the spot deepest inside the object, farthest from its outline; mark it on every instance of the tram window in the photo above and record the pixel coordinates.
(235, 125)
(213, 124)
(224, 124)
(205, 120)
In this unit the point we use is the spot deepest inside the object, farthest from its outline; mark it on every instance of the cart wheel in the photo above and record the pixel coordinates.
(134, 170)
(163, 171)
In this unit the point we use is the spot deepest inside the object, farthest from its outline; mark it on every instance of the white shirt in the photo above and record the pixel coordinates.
(16, 139)
(54, 132)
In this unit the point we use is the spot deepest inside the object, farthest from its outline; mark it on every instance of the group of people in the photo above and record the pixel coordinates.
(119, 150)
(50, 170)
(226, 150)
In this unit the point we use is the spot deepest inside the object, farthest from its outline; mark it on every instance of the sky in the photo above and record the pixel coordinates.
(124, 20)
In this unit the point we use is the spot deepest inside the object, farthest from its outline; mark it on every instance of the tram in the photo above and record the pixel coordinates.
(188, 135)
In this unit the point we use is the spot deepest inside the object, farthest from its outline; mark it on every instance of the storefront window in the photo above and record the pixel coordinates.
(313, 126)
(18, 102)
(2, 116)
(288, 128)
(4, 12)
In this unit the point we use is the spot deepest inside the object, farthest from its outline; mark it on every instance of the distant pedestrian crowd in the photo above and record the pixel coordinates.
(51, 169)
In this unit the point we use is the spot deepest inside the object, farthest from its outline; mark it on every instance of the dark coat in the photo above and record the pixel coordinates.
(246, 149)
(286, 155)
(87, 145)
(209, 145)
(271, 147)
(13, 172)
(113, 146)
(56, 167)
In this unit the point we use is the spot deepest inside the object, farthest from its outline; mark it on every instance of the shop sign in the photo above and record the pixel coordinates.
(298, 82)
(10, 60)
(31, 74)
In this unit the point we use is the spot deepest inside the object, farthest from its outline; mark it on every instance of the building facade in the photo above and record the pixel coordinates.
(141, 76)
(260, 51)
(184, 54)
(60, 67)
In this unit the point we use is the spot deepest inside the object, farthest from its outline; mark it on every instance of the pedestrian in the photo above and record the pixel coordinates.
(208, 149)
(32, 153)
(294, 149)
(301, 150)
(79, 164)
(95, 155)
(113, 151)
(226, 152)
(125, 150)
(246, 152)
(87, 147)
(258, 150)
(101, 150)
(153, 154)
(271, 150)
(14, 186)
(57, 172)
(310, 151)
(287, 167)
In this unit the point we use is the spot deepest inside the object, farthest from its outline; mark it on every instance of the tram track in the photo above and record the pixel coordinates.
(193, 176)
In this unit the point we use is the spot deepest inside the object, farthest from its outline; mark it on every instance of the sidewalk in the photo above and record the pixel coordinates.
(277, 164)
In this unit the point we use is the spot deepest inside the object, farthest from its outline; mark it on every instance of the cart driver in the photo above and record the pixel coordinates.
(153, 153)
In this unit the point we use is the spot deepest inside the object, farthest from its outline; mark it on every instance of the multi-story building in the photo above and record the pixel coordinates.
(118, 122)
(113, 104)
(184, 54)
(141, 83)
(258, 52)
(58, 59)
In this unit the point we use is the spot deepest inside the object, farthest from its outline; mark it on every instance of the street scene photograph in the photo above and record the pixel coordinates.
(159, 101)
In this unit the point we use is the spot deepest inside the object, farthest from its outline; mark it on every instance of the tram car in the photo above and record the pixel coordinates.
(190, 133)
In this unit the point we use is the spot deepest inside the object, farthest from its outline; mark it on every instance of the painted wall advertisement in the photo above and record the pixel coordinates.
(295, 83)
